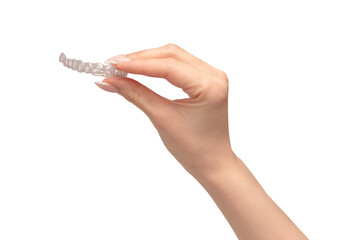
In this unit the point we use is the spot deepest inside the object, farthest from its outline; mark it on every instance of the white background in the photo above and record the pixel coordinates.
(77, 162)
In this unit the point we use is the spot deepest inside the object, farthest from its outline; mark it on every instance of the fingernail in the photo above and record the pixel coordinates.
(118, 59)
(107, 87)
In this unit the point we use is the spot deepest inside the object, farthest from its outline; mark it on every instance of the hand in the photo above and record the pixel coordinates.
(195, 129)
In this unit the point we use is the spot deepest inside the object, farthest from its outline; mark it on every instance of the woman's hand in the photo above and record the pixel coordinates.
(195, 129)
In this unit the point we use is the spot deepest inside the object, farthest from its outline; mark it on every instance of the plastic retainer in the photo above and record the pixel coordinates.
(96, 69)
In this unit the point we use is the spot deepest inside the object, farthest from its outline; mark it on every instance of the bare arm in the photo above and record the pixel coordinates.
(249, 210)
(195, 131)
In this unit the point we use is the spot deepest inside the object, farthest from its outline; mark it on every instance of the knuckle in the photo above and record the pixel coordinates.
(223, 75)
(172, 48)
(223, 87)
(220, 90)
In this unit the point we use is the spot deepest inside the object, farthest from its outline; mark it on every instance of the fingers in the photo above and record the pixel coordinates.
(174, 51)
(144, 98)
(178, 73)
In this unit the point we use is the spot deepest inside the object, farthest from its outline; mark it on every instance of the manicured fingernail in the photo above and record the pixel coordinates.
(107, 87)
(118, 59)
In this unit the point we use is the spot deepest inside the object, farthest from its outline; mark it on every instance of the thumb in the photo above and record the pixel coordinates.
(148, 101)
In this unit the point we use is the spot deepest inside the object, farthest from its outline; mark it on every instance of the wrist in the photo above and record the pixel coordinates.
(217, 166)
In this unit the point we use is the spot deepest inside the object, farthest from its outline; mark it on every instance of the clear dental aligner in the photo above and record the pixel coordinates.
(97, 69)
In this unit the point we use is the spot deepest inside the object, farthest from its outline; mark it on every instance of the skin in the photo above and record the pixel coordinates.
(195, 131)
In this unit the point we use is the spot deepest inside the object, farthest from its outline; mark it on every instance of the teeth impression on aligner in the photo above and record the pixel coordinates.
(97, 69)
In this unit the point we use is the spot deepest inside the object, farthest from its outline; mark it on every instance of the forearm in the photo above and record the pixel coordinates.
(249, 210)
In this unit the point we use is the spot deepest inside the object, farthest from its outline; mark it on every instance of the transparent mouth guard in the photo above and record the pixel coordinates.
(96, 69)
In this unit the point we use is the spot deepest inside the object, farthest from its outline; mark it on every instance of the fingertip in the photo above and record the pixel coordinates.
(118, 59)
(107, 86)
(120, 84)
(114, 80)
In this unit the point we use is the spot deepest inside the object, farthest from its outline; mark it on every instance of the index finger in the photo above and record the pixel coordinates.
(178, 73)
(174, 51)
